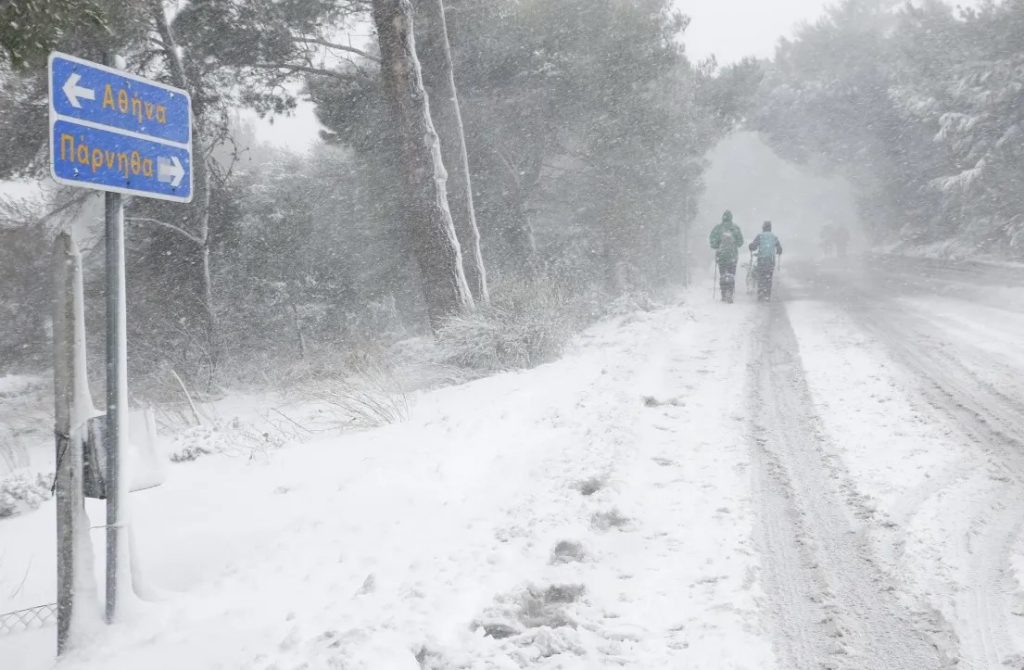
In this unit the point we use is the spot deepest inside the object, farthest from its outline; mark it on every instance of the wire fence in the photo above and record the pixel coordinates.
(20, 621)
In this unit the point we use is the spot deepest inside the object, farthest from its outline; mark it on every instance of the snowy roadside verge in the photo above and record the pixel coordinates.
(594, 511)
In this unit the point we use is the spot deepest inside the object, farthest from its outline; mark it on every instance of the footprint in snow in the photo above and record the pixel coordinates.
(591, 485)
(611, 519)
(567, 551)
(369, 585)
(651, 401)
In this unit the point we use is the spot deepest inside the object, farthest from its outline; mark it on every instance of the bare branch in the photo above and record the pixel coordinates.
(506, 161)
(292, 68)
(170, 226)
(334, 45)
(78, 199)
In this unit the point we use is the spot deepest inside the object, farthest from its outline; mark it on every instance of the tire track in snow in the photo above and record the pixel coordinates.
(977, 395)
(834, 607)
(992, 420)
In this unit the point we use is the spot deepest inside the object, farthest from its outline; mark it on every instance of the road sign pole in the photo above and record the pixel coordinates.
(117, 396)
(117, 392)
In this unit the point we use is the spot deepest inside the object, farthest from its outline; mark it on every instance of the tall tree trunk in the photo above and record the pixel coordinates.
(425, 201)
(200, 175)
(439, 79)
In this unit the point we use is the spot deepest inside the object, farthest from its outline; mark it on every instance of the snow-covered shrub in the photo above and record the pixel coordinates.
(26, 406)
(369, 398)
(473, 340)
(523, 327)
(231, 438)
(419, 365)
(22, 492)
(629, 303)
(10, 450)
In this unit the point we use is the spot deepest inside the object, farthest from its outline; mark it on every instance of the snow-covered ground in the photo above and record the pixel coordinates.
(595, 511)
(832, 480)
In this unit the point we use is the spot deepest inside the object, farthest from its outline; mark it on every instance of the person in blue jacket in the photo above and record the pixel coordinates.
(766, 247)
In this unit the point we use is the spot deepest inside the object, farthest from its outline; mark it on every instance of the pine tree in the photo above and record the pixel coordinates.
(433, 49)
(424, 211)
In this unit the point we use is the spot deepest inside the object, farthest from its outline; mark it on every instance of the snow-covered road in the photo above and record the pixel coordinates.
(946, 372)
(836, 606)
(831, 481)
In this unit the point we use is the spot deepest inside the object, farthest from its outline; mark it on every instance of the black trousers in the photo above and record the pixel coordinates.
(765, 273)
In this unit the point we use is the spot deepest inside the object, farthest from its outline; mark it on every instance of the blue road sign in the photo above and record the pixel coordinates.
(98, 158)
(113, 131)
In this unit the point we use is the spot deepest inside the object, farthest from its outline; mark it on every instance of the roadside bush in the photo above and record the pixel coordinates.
(22, 492)
(525, 326)
(630, 303)
(370, 397)
(233, 438)
(11, 453)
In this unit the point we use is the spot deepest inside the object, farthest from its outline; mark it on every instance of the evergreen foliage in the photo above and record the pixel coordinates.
(921, 106)
(585, 126)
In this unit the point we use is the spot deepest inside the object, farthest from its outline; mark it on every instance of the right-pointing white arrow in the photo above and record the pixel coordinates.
(74, 91)
(169, 170)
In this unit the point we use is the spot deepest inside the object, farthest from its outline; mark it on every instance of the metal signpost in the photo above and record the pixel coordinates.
(116, 132)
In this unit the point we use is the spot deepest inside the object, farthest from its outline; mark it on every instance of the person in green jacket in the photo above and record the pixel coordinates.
(726, 239)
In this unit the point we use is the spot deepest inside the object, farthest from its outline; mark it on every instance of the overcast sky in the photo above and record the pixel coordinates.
(732, 29)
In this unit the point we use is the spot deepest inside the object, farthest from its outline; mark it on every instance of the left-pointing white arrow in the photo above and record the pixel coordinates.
(74, 91)
(169, 170)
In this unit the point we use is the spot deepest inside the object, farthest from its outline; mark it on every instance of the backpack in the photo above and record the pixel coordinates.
(727, 242)
(766, 248)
